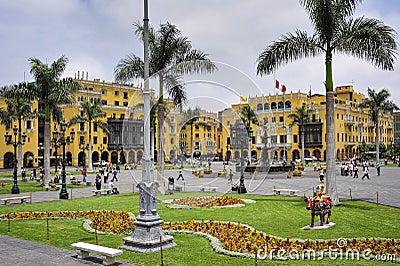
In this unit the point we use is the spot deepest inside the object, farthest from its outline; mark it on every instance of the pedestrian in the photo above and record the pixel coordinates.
(23, 174)
(365, 173)
(378, 168)
(321, 175)
(106, 175)
(355, 172)
(180, 175)
(230, 176)
(114, 175)
(84, 172)
(97, 181)
(32, 175)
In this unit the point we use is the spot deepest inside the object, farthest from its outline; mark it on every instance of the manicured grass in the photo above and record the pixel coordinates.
(279, 216)
(27, 186)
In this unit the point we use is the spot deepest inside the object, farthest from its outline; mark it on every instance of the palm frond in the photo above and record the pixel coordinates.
(288, 48)
(129, 68)
(369, 39)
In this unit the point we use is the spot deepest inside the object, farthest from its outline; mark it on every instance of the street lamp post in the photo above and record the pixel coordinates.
(242, 189)
(21, 140)
(56, 146)
(63, 141)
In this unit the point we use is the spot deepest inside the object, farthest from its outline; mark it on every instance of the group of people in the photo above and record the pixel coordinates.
(351, 168)
(104, 173)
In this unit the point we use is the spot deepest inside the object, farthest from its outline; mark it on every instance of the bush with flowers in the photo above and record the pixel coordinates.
(229, 238)
(104, 221)
(207, 202)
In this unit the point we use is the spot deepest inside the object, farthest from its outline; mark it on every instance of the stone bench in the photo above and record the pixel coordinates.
(83, 249)
(208, 189)
(21, 198)
(277, 191)
(178, 188)
(100, 191)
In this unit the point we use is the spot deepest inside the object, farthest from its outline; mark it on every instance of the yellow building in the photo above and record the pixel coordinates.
(123, 106)
(352, 125)
(211, 134)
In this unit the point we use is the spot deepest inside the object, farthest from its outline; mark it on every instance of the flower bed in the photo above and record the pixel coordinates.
(104, 221)
(236, 239)
(207, 202)
(229, 238)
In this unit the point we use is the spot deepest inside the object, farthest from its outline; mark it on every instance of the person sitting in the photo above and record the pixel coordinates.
(114, 190)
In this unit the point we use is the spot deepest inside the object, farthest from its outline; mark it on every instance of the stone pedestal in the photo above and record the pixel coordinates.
(148, 231)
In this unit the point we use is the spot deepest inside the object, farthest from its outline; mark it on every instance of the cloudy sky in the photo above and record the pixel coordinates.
(96, 34)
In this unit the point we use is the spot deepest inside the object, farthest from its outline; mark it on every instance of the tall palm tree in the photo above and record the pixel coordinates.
(378, 104)
(335, 31)
(171, 56)
(300, 117)
(92, 113)
(18, 109)
(52, 92)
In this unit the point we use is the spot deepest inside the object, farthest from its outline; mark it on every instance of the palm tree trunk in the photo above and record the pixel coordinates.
(331, 188)
(160, 150)
(20, 162)
(90, 168)
(377, 134)
(46, 151)
(302, 148)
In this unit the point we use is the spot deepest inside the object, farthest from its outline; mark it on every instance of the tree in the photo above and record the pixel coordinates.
(171, 56)
(334, 31)
(92, 113)
(18, 109)
(300, 117)
(378, 104)
(52, 92)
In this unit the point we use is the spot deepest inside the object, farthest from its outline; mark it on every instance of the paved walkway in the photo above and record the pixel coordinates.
(385, 188)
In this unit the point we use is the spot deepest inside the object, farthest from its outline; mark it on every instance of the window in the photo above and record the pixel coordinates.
(282, 138)
(95, 127)
(125, 104)
(197, 135)
(81, 126)
(281, 119)
(273, 119)
(116, 93)
(104, 92)
(116, 103)
(122, 117)
(103, 102)
(94, 140)
(295, 138)
(104, 140)
(125, 95)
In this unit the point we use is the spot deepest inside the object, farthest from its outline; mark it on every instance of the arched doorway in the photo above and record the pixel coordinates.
(104, 156)
(69, 158)
(237, 155)
(95, 157)
(8, 160)
(81, 158)
(139, 156)
(317, 154)
(122, 157)
(114, 157)
(295, 154)
(28, 159)
(131, 157)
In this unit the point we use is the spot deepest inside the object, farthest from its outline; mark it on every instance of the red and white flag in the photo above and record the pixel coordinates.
(277, 84)
(140, 86)
(283, 88)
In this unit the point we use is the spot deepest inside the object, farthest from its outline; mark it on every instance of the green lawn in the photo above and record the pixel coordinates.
(279, 216)
(6, 186)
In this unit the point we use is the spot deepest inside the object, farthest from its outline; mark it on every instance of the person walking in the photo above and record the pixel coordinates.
(180, 175)
(355, 170)
(114, 175)
(84, 172)
(365, 174)
(321, 175)
(98, 182)
(378, 169)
